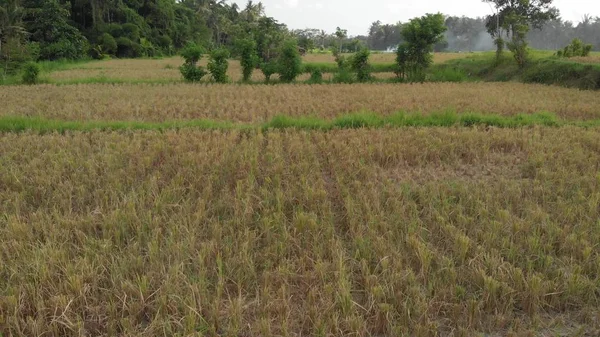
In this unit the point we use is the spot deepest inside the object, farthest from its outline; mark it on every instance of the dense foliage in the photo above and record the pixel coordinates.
(190, 70)
(290, 62)
(218, 65)
(59, 29)
(414, 56)
(246, 48)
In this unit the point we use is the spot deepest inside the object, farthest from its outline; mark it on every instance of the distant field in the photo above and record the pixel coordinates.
(589, 59)
(259, 103)
(419, 232)
(167, 70)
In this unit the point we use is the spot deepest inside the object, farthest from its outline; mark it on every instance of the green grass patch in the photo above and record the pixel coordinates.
(542, 68)
(348, 121)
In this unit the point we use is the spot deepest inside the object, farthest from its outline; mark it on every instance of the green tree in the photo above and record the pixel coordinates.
(290, 62)
(341, 34)
(359, 63)
(51, 29)
(268, 69)
(246, 48)
(190, 70)
(515, 17)
(13, 49)
(415, 55)
(518, 43)
(218, 65)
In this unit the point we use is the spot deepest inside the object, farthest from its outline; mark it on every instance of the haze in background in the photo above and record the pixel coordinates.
(356, 16)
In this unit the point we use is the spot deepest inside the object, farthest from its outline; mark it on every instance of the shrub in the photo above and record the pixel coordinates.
(340, 59)
(14, 54)
(128, 48)
(268, 69)
(31, 72)
(218, 65)
(290, 62)
(248, 57)
(108, 44)
(316, 77)
(359, 63)
(190, 71)
(576, 48)
(413, 57)
(344, 75)
(192, 53)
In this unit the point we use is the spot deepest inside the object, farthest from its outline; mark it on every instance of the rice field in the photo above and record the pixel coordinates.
(593, 59)
(357, 232)
(167, 69)
(260, 103)
(115, 221)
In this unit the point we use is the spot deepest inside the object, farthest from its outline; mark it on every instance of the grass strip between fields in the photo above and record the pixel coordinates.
(350, 121)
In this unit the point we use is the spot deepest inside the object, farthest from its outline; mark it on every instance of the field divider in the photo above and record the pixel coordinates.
(12, 124)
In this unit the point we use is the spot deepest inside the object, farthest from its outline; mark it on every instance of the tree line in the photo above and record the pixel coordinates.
(473, 34)
(75, 29)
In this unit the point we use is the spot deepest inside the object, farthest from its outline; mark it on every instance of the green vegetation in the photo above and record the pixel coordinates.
(190, 70)
(576, 48)
(359, 63)
(414, 56)
(540, 68)
(246, 48)
(348, 121)
(218, 65)
(289, 62)
(31, 72)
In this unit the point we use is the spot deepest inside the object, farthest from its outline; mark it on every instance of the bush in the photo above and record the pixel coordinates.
(576, 48)
(446, 74)
(192, 53)
(128, 49)
(14, 54)
(107, 45)
(31, 72)
(64, 49)
(344, 75)
(290, 62)
(192, 73)
(268, 69)
(246, 48)
(165, 43)
(218, 65)
(340, 59)
(359, 63)
(316, 77)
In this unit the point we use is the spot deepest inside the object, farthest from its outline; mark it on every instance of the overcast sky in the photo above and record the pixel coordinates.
(357, 15)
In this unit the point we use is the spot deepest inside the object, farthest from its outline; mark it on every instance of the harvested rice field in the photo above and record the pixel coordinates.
(375, 210)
